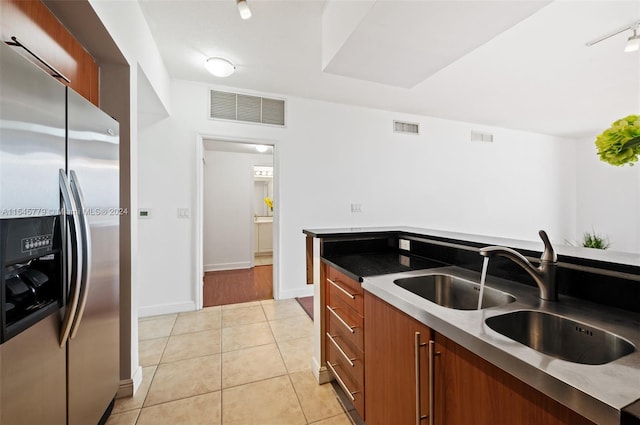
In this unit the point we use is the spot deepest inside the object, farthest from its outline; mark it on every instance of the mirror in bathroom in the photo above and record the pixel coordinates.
(262, 189)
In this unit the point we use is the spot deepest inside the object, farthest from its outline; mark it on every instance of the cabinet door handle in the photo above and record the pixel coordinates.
(345, 324)
(342, 384)
(432, 359)
(344, 291)
(416, 346)
(335, 343)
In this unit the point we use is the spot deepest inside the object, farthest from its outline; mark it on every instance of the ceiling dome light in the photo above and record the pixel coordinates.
(261, 148)
(633, 43)
(243, 8)
(220, 67)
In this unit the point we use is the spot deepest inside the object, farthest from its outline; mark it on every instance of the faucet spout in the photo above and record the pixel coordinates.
(544, 275)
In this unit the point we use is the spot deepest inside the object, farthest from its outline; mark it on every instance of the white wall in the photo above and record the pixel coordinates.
(608, 200)
(228, 209)
(144, 82)
(332, 155)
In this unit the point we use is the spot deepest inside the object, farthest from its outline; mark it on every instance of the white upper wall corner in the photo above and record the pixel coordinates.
(129, 29)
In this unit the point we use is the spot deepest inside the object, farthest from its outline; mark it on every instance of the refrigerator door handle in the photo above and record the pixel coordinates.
(86, 252)
(71, 214)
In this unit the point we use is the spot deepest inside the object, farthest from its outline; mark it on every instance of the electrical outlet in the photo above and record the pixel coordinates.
(404, 244)
(356, 208)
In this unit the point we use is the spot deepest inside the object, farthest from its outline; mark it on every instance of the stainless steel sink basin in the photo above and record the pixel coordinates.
(560, 337)
(453, 292)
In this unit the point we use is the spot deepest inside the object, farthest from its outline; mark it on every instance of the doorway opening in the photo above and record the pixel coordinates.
(236, 221)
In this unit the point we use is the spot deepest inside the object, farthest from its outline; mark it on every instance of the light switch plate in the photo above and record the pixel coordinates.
(183, 212)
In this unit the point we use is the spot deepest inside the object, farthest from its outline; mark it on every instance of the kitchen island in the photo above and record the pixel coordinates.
(596, 288)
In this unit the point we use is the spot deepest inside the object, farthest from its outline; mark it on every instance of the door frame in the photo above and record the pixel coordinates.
(198, 239)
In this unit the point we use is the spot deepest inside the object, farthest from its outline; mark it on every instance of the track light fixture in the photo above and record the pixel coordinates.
(633, 42)
(243, 8)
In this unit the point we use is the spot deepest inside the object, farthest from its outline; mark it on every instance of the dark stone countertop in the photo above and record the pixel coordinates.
(359, 266)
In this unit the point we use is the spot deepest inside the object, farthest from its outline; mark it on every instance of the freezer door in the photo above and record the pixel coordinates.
(32, 376)
(32, 137)
(93, 348)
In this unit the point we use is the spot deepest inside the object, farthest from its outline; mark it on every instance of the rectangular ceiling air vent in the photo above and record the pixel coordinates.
(246, 108)
(477, 136)
(405, 127)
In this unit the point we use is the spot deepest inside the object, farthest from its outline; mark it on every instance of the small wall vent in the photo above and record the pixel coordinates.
(477, 136)
(246, 108)
(405, 127)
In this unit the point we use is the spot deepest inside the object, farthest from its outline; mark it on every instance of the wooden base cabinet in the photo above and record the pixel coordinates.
(470, 390)
(344, 334)
(396, 375)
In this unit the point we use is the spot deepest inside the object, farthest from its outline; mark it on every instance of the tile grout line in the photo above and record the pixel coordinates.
(295, 391)
(221, 365)
(276, 342)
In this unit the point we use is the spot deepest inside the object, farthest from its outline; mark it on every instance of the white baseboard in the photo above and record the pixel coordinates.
(157, 310)
(227, 266)
(128, 387)
(321, 373)
(307, 291)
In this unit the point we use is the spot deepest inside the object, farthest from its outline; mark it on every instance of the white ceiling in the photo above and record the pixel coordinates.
(512, 63)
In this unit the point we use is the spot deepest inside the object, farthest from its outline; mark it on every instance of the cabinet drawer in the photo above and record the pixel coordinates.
(342, 287)
(351, 360)
(346, 323)
(353, 390)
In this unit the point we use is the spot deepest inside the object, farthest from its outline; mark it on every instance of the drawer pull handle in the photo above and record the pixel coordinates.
(432, 370)
(342, 384)
(417, 346)
(344, 291)
(345, 324)
(335, 343)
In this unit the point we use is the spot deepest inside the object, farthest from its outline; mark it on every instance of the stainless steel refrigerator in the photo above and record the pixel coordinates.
(59, 250)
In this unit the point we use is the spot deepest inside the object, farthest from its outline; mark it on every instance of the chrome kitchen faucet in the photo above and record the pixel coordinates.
(544, 275)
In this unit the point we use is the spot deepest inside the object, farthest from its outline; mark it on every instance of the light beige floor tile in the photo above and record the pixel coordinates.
(192, 345)
(157, 327)
(240, 305)
(135, 402)
(251, 364)
(342, 419)
(242, 316)
(282, 309)
(150, 350)
(246, 336)
(292, 328)
(125, 418)
(199, 410)
(184, 378)
(318, 401)
(269, 402)
(297, 353)
(194, 321)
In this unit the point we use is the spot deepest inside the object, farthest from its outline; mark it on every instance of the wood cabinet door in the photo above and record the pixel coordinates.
(470, 390)
(395, 343)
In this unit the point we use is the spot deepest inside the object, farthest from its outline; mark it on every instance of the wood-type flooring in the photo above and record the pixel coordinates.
(238, 286)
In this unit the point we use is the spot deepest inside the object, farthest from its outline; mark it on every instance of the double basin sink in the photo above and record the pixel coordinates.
(551, 334)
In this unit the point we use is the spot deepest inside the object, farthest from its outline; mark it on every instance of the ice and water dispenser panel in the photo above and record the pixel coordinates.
(31, 263)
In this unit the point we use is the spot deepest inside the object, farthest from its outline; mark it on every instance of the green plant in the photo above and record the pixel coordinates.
(620, 143)
(593, 240)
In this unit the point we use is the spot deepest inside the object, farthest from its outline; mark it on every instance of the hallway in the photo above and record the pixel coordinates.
(237, 286)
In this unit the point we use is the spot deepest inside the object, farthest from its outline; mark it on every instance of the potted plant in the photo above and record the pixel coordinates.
(620, 143)
(593, 240)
